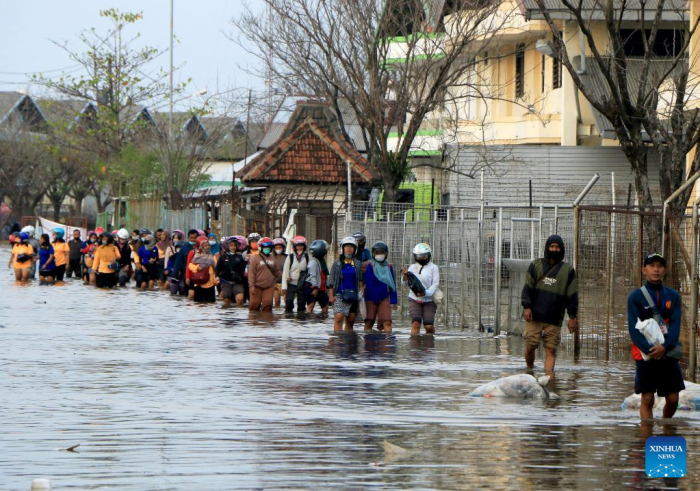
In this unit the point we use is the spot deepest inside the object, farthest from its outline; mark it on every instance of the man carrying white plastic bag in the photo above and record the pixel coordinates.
(657, 356)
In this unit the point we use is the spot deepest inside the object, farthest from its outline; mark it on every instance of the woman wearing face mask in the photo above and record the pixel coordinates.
(263, 274)
(175, 282)
(88, 258)
(280, 257)
(47, 266)
(380, 289)
(147, 267)
(214, 243)
(345, 284)
(124, 274)
(106, 262)
(315, 283)
(203, 275)
(230, 270)
(162, 245)
(294, 273)
(420, 305)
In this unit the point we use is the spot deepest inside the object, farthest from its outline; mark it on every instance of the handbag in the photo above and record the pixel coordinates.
(438, 297)
(200, 277)
(350, 295)
(677, 351)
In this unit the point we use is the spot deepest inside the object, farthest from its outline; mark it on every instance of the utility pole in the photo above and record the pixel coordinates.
(170, 112)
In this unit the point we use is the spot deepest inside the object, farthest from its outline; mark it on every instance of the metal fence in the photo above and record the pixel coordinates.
(190, 218)
(611, 245)
(470, 245)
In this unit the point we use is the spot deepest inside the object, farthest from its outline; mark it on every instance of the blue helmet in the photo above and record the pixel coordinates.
(23, 236)
(59, 232)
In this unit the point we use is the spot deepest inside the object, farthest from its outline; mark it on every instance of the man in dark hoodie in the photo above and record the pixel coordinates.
(180, 263)
(551, 289)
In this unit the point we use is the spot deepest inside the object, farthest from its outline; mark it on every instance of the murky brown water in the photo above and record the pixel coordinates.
(163, 394)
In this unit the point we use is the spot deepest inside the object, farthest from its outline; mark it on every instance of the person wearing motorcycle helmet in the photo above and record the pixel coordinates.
(47, 267)
(361, 253)
(88, 259)
(125, 252)
(22, 257)
(202, 272)
(61, 253)
(279, 246)
(106, 262)
(147, 267)
(380, 289)
(315, 290)
(253, 244)
(263, 274)
(345, 283)
(75, 254)
(176, 286)
(230, 272)
(32, 241)
(99, 231)
(293, 274)
(421, 307)
(144, 232)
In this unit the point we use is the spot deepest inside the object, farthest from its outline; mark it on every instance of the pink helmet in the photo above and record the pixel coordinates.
(200, 232)
(299, 239)
(279, 241)
(242, 242)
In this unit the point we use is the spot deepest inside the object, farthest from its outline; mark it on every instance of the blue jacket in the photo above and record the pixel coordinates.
(180, 263)
(375, 290)
(667, 301)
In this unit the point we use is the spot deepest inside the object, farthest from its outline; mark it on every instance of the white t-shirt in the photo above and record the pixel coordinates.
(429, 276)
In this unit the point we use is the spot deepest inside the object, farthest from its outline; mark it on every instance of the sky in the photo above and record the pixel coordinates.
(204, 53)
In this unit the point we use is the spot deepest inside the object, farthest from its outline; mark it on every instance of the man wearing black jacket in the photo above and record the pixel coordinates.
(180, 263)
(75, 255)
(551, 289)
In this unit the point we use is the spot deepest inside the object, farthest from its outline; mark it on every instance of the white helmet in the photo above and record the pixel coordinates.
(29, 230)
(348, 241)
(123, 234)
(422, 248)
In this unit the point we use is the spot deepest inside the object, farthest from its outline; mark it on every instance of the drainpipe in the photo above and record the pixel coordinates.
(678, 191)
(582, 47)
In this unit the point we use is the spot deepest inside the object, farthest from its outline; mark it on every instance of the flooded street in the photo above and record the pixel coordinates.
(163, 394)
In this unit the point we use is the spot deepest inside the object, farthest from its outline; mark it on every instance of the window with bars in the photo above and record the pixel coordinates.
(556, 73)
(520, 71)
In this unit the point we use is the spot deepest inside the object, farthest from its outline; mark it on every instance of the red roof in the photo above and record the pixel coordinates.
(310, 150)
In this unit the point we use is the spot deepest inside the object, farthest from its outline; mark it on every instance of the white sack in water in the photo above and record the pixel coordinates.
(688, 399)
(652, 332)
(521, 386)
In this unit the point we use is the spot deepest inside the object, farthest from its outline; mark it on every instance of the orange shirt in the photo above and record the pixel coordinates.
(21, 248)
(61, 251)
(104, 256)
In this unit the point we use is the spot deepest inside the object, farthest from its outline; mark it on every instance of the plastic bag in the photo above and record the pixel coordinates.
(652, 332)
(522, 386)
(688, 399)
(415, 284)
(362, 307)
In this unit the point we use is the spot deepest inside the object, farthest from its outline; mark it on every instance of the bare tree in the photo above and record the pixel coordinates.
(391, 61)
(648, 92)
(119, 79)
(23, 170)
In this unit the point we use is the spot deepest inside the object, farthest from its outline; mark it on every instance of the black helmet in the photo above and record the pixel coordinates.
(359, 237)
(380, 247)
(318, 248)
(145, 231)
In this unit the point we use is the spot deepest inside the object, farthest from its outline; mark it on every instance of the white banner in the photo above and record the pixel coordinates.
(47, 226)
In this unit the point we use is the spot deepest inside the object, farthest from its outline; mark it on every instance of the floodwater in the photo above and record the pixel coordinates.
(162, 394)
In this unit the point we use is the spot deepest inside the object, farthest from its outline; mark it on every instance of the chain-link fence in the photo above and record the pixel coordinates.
(190, 218)
(612, 243)
(468, 250)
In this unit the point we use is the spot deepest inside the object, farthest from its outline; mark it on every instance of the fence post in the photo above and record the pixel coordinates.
(447, 274)
(577, 218)
(497, 272)
(609, 288)
(479, 267)
(694, 294)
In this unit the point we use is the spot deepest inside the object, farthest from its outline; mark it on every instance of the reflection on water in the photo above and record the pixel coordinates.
(164, 394)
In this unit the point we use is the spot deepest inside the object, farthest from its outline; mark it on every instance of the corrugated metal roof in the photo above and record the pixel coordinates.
(558, 174)
(593, 9)
(598, 86)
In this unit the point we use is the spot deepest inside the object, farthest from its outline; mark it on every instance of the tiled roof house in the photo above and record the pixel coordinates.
(306, 169)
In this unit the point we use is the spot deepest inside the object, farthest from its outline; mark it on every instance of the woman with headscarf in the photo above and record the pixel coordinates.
(202, 274)
(163, 245)
(106, 262)
(263, 274)
(147, 267)
(214, 243)
(380, 289)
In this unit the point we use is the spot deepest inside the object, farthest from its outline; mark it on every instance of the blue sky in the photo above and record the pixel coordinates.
(206, 55)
